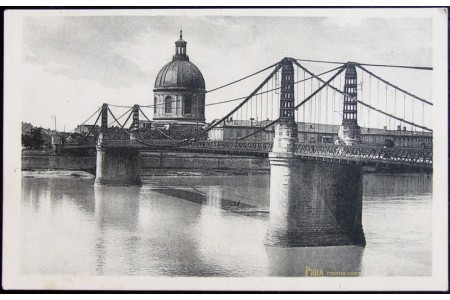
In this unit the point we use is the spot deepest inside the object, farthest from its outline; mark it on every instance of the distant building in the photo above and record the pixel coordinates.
(399, 137)
(320, 133)
(236, 129)
(83, 129)
(145, 124)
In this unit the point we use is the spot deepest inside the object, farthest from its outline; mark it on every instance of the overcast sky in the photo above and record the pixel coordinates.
(71, 65)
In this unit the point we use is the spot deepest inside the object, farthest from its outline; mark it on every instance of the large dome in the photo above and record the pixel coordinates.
(179, 91)
(180, 74)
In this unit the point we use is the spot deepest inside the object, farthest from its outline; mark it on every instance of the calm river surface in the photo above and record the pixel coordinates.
(210, 226)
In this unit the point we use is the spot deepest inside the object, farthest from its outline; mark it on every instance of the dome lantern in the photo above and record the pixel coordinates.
(180, 49)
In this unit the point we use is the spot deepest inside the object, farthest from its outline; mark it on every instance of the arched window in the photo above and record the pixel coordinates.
(188, 104)
(155, 105)
(168, 105)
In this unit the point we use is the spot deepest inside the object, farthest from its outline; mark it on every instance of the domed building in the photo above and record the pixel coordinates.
(179, 91)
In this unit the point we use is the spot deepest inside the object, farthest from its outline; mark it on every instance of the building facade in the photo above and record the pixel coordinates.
(321, 133)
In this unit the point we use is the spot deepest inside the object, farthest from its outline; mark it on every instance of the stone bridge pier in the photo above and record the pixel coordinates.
(116, 166)
(312, 202)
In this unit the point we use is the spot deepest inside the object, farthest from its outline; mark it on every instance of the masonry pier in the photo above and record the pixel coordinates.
(312, 202)
(116, 166)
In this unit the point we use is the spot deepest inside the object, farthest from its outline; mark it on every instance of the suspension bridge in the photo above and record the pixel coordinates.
(315, 101)
(316, 188)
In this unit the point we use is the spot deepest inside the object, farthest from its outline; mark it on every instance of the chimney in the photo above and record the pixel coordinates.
(399, 127)
(404, 128)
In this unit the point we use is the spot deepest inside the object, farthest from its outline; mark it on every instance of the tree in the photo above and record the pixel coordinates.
(37, 138)
(26, 141)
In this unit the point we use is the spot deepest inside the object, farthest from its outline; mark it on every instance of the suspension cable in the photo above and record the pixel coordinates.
(385, 105)
(321, 87)
(214, 124)
(92, 128)
(370, 98)
(362, 103)
(334, 107)
(297, 92)
(122, 106)
(264, 92)
(367, 64)
(304, 96)
(378, 102)
(121, 128)
(267, 101)
(144, 114)
(259, 130)
(120, 116)
(394, 86)
(297, 106)
(236, 81)
(155, 126)
(361, 116)
(326, 106)
(272, 83)
(160, 131)
(87, 119)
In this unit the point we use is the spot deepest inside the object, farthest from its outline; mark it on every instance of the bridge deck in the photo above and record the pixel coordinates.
(360, 154)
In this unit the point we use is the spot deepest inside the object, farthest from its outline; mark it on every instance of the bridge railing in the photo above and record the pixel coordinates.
(353, 152)
(254, 147)
(367, 152)
(204, 145)
(139, 144)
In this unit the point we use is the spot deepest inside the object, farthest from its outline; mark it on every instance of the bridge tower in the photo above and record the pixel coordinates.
(349, 131)
(116, 166)
(312, 202)
(135, 125)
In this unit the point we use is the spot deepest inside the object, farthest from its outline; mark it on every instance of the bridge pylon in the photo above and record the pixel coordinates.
(312, 202)
(115, 166)
(135, 125)
(349, 131)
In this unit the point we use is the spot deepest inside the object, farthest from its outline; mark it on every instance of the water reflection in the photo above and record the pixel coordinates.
(210, 226)
(251, 189)
(240, 235)
(213, 196)
(384, 185)
(117, 206)
(169, 229)
(308, 261)
(116, 209)
(58, 192)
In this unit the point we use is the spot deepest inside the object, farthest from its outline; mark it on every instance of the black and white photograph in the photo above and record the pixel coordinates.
(225, 149)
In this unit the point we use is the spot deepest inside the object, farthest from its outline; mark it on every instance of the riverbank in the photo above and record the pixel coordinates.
(57, 174)
(157, 163)
(47, 173)
(173, 164)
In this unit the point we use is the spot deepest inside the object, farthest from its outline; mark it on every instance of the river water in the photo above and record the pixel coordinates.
(210, 226)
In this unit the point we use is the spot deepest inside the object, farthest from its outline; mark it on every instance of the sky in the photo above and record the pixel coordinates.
(70, 65)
